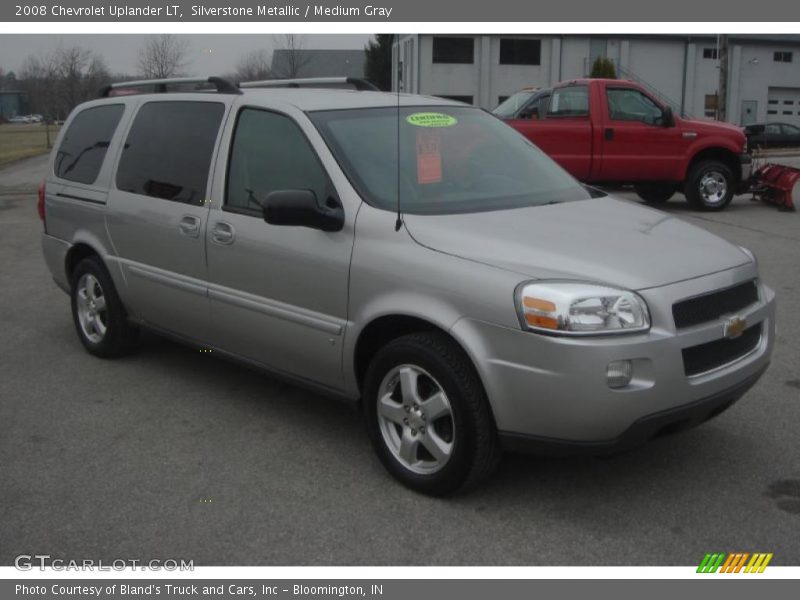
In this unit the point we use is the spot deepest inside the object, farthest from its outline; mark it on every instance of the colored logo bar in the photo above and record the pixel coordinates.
(737, 562)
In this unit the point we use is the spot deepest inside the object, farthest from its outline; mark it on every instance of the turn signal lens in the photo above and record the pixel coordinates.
(571, 308)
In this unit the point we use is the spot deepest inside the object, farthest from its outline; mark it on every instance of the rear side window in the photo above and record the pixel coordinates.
(168, 151)
(270, 153)
(83, 149)
(571, 101)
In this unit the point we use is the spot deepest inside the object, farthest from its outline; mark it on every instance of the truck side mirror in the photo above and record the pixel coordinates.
(668, 117)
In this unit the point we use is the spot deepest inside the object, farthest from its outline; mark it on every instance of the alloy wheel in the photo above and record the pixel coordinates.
(91, 304)
(416, 419)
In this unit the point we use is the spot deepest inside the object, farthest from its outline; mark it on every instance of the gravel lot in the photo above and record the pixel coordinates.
(173, 454)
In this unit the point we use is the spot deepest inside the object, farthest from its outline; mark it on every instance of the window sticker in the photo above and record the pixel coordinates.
(429, 157)
(431, 119)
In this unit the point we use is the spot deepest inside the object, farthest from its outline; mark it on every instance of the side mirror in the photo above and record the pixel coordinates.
(300, 208)
(668, 117)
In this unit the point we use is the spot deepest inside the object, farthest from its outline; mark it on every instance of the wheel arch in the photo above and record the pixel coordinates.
(719, 153)
(76, 254)
(384, 328)
(380, 331)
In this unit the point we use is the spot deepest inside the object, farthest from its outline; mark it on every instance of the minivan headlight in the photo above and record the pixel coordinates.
(574, 308)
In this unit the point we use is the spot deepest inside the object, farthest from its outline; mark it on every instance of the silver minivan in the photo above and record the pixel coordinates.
(411, 254)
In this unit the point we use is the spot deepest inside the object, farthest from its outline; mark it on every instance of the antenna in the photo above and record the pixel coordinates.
(399, 223)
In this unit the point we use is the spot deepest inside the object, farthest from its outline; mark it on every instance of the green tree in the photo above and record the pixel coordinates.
(378, 68)
(603, 68)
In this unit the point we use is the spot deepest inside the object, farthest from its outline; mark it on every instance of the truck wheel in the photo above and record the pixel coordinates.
(654, 193)
(97, 311)
(710, 185)
(428, 416)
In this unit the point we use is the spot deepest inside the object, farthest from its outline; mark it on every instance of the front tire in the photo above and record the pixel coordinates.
(710, 185)
(99, 316)
(428, 416)
(655, 193)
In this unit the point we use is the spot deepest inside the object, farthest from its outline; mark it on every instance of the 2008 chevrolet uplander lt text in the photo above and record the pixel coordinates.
(504, 306)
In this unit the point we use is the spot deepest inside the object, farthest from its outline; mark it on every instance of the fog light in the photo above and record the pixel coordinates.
(619, 373)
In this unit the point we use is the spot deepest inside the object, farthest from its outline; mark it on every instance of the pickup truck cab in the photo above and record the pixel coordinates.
(609, 131)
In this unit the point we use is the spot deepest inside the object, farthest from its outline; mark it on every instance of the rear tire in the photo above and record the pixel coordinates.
(428, 416)
(710, 185)
(98, 313)
(655, 193)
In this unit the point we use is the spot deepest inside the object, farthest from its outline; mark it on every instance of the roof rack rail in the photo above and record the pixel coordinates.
(362, 85)
(160, 85)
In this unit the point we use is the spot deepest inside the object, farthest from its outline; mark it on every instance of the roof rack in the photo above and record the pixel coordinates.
(358, 83)
(160, 85)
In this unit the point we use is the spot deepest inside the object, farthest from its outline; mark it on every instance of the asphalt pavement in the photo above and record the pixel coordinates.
(171, 453)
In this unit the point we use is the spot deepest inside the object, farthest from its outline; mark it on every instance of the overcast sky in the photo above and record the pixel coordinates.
(208, 54)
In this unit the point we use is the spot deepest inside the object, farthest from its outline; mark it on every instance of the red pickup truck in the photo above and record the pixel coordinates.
(609, 131)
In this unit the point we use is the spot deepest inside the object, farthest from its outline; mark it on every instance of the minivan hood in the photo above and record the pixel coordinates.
(603, 239)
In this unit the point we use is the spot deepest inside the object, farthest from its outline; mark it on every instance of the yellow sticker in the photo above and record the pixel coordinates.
(431, 119)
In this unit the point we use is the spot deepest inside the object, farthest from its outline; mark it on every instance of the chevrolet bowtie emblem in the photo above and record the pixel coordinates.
(734, 327)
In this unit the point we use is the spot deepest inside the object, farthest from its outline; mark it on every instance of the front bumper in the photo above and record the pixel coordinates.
(554, 389)
(667, 421)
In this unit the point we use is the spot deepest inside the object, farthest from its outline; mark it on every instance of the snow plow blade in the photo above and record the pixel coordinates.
(777, 184)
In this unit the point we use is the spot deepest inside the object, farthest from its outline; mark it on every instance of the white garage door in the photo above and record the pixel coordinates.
(783, 105)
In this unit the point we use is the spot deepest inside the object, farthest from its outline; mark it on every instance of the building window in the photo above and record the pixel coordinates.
(710, 53)
(785, 57)
(520, 52)
(772, 112)
(710, 107)
(454, 50)
(464, 99)
(501, 99)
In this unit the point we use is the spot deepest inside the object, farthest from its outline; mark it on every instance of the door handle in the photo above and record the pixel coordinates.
(609, 133)
(189, 226)
(223, 233)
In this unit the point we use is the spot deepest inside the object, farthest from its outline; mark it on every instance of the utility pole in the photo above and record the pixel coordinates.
(722, 96)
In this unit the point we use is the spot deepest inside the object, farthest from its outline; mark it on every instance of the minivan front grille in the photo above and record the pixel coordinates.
(714, 305)
(711, 355)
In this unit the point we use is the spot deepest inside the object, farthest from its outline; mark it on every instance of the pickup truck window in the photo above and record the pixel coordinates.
(570, 101)
(627, 104)
(509, 107)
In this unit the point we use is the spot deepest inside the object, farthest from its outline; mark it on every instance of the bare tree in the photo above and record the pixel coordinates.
(56, 82)
(254, 66)
(163, 56)
(291, 52)
(68, 65)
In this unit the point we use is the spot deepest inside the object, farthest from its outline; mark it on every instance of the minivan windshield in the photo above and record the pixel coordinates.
(452, 159)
